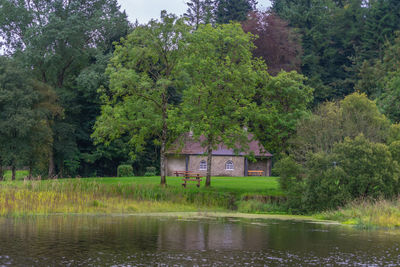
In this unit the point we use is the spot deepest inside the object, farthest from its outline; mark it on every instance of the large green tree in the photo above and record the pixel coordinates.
(26, 106)
(142, 86)
(282, 100)
(58, 40)
(222, 78)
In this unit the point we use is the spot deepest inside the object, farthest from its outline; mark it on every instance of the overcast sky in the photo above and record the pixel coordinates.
(144, 10)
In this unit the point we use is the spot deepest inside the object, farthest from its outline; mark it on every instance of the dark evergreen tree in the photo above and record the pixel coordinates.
(331, 34)
(200, 12)
(381, 22)
(233, 10)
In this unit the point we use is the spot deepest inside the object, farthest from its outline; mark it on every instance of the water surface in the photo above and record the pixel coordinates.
(158, 241)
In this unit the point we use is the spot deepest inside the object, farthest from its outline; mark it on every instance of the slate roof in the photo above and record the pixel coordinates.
(189, 146)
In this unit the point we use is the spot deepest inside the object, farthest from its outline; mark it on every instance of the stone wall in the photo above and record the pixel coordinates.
(178, 163)
(175, 163)
(261, 164)
(218, 165)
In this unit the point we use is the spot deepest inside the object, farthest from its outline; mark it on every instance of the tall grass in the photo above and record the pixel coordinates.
(367, 214)
(85, 196)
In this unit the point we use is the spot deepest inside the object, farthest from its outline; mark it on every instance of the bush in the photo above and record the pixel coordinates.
(287, 169)
(125, 171)
(357, 168)
(150, 171)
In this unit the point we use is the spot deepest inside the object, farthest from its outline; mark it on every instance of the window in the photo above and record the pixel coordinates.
(203, 165)
(229, 165)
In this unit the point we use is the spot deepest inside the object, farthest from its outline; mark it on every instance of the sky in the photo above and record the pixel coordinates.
(144, 10)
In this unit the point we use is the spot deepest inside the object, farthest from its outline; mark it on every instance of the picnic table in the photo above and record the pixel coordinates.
(255, 173)
(189, 177)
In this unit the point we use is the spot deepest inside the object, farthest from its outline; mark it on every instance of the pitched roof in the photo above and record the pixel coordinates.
(187, 145)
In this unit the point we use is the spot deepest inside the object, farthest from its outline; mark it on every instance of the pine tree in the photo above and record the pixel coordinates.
(233, 10)
(200, 12)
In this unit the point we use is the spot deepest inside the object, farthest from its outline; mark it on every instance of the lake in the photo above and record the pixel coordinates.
(169, 241)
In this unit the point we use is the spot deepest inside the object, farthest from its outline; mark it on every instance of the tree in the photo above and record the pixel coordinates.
(382, 20)
(331, 36)
(57, 40)
(334, 121)
(222, 77)
(142, 85)
(233, 10)
(281, 102)
(200, 12)
(24, 113)
(277, 43)
(380, 78)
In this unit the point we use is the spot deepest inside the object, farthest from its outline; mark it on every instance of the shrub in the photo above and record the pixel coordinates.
(125, 171)
(357, 168)
(326, 185)
(150, 171)
(287, 169)
(369, 167)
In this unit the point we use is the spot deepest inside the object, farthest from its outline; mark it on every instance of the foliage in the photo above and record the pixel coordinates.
(288, 169)
(142, 85)
(26, 106)
(333, 121)
(150, 171)
(125, 171)
(233, 10)
(222, 76)
(276, 43)
(381, 79)
(281, 102)
(59, 41)
(356, 168)
(200, 12)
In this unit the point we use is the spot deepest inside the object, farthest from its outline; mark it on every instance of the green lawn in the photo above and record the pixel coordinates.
(238, 185)
(19, 175)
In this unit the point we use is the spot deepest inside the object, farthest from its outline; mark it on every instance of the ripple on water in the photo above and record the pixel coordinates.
(144, 241)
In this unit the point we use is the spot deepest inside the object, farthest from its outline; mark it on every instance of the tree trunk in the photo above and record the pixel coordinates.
(30, 172)
(209, 160)
(1, 172)
(13, 172)
(162, 165)
(52, 168)
(163, 142)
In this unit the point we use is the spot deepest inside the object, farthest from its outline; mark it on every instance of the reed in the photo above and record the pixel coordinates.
(85, 196)
(367, 214)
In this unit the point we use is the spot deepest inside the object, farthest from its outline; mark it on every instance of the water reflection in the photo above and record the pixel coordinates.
(121, 241)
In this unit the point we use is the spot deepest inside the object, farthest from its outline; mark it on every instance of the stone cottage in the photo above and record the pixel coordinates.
(189, 155)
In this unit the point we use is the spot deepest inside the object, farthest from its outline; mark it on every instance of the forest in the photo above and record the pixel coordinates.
(83, 90)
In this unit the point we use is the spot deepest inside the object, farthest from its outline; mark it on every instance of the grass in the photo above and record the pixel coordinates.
(236, 185)
(20, 175)
(129, 195)
(367, 214)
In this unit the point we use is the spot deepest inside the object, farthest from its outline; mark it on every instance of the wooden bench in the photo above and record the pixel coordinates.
(184, 173)
(255, 173)
(192, 178)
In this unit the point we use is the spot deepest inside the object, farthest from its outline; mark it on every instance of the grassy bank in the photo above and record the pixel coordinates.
(367, 214)
(131, 195)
